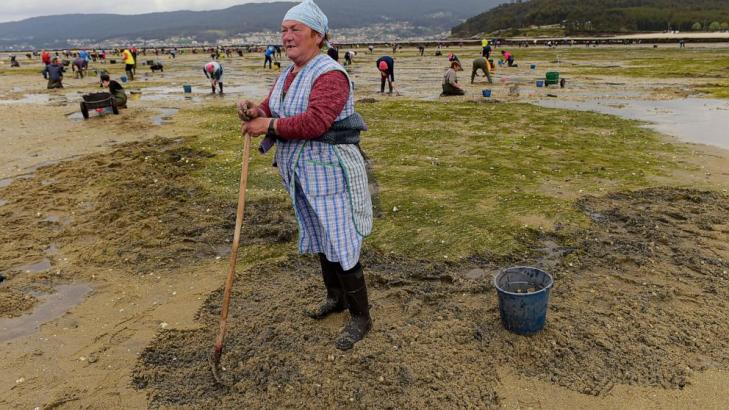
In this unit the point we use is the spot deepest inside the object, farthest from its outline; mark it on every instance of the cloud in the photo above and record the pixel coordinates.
(14, 10)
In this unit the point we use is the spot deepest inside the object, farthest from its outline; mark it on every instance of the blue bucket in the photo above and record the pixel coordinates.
(486, 93)
(123, 78)
(187, 88)
(533, 66)
(540, 83)
(523, 298)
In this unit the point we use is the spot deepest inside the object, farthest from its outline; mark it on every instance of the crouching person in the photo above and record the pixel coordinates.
(116, 90)
(54, 74)
(450, 81)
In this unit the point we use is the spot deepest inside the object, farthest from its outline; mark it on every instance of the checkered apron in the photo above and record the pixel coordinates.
(327, 183)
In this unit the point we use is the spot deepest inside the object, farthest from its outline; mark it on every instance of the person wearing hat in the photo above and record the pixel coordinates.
(386, 65)
(214, 72)
(310, 117)
(450, 81)
(115, 89)
(452, 57)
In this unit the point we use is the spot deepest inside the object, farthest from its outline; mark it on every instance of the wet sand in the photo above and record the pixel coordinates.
(88, 356)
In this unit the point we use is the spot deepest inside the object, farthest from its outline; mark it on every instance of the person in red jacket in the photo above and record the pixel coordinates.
(46, 57)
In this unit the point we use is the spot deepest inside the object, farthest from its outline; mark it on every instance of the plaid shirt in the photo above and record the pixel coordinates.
(327, 183)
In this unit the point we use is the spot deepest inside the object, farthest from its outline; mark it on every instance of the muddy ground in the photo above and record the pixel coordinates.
(129, 210)
(643, 303)
(638, 317)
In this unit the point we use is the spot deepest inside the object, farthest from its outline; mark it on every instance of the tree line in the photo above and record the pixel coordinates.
(602, 16)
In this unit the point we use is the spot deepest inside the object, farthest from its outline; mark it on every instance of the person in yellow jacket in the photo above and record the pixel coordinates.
(485, 49)
(128, 63)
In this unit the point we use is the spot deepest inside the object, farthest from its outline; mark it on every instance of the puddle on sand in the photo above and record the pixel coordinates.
(697, 120)
(38, 99)
(27, 99)
(57, 218)
(52, 249)
(475, 273)
(36, 267)
(6, 181)
(175, 93)
(51, 307)
(222, 250)
(78, 117)
(165, 115)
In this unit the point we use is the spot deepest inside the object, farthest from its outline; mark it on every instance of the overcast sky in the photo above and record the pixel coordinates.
(13, 10)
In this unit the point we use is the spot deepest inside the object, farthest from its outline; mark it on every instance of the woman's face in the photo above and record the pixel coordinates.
(300, 41)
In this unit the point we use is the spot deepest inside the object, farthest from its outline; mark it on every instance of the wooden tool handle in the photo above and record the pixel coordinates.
(236, 243)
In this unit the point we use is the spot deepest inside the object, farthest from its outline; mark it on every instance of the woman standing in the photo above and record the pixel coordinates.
(309, 115)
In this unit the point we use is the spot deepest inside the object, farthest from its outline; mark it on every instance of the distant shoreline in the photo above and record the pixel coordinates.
(623, 39)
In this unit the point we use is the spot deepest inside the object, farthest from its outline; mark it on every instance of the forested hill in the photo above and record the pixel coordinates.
(602, 16)
(433, 16)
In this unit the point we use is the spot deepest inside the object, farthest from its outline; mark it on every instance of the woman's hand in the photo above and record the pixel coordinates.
(247, 110)
(257, 127)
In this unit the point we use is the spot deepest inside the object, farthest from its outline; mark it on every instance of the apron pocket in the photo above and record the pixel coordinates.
(320, 178)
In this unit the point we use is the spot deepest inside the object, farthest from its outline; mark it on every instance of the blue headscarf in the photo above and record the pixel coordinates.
(310, 14)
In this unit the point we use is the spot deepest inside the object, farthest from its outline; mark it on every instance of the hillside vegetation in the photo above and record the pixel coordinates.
(602, 16)
(208, 26)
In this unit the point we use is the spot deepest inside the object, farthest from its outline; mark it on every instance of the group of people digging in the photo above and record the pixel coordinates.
(311, 120)
(450, 84)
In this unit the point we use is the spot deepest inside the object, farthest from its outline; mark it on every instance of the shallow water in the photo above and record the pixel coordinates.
(165, 115)
(696, 120)
(36, 267)
(175, 93)
(51, 307)
(40, 99)
(57, 218)
(78, 117)
(52, 249)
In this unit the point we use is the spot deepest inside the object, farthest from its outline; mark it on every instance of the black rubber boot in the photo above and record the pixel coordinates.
(221, 87)
(334, 302)
(355, 291)
(213, 87)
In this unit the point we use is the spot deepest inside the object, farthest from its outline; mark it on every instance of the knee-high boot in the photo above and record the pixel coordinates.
(355, 292)
(334, 301)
